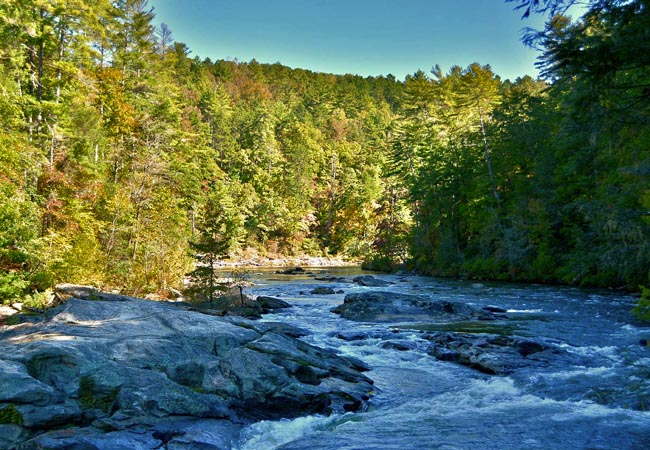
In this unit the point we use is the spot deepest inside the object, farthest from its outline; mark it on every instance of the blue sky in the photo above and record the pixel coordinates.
(365, 37)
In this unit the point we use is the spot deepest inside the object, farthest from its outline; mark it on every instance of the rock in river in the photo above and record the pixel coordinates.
(370, 281)
(323, 290)
(144, 374)
(269, 304)
(383, 306)
(491, 354)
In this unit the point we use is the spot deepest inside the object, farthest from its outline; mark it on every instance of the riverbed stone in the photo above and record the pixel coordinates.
(351, 336)
(269, 304)
(370, 281)
(297, 270)
(490, 354)
(282, 328)
(386, 306)
(401, 345)
(322, 290)
(103, 369)
(332, 279)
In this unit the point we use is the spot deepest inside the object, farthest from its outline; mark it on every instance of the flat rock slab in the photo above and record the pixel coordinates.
(66, 291)
(95, 366)
(6, 311)
(384, 306)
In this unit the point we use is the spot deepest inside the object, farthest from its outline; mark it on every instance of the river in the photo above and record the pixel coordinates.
(599, 398)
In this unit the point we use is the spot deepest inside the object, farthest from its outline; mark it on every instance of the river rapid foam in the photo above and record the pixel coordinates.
(596, 397)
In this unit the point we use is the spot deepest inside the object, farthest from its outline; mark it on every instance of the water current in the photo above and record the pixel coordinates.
(597, 398)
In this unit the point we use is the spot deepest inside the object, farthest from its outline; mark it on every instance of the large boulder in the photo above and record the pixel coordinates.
(384, 306)
(370, 281)
(95, 367)
(269, 304)
(235, 305)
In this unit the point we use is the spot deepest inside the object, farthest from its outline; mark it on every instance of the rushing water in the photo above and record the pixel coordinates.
(598, 399)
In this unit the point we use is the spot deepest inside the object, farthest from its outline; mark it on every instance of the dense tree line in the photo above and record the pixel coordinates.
(544, 181)
(123, 158)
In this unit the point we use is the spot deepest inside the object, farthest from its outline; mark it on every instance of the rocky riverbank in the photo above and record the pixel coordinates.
(128, 373)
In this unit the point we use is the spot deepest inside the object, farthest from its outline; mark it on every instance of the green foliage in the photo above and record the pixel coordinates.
(239, 280)
(208, 250)
(12, 286)
(14, 320)
(390, 246)
(10, 415)
(642, 310)
(37, 301)
(18, 242)
(91, 398)
(379, 263)
(123, 162)
(528, 181)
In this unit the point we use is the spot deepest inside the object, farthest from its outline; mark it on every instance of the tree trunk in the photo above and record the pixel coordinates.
(41, 52)
(332, 200)
(59, 72)
(488, 161)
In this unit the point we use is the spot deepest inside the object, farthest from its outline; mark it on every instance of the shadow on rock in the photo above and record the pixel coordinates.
(127, 371)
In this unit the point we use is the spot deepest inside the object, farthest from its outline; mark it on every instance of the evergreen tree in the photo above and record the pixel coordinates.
(122, 158)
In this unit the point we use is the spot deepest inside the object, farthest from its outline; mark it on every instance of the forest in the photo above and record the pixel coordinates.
(124, 160)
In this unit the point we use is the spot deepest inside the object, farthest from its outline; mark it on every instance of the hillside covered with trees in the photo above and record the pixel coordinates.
(122, 157)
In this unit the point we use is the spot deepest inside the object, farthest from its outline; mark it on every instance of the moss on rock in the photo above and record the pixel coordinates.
(10, 414)
(90, 398)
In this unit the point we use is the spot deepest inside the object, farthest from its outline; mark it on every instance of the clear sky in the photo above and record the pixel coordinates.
(364, 37)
